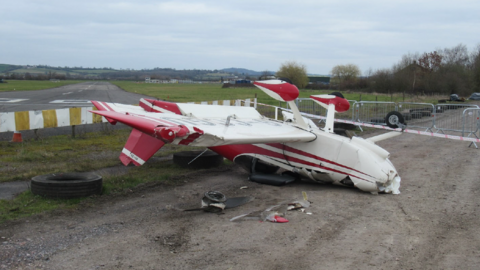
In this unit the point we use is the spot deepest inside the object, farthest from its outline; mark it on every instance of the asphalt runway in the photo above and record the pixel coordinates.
(68, 96)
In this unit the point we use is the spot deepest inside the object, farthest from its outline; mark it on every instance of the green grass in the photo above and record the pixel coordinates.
(22, 161)
(86, 153)
(20, 85)
(28, 204)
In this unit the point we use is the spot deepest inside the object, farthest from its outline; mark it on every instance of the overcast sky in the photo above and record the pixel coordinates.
(257, 35)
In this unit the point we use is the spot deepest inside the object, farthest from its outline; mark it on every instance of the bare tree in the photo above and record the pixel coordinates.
(345, 75)
(265, 75)
(295, 72)
(457, 55)
(475, 68)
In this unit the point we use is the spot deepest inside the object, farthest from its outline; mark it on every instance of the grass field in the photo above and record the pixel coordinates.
(20, 85)
(208, 92)
(86, 153)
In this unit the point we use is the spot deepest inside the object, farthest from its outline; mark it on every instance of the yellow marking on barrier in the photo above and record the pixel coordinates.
(49, 118)
(96, 118)
(75, 116)
(210, 102)
(22, 121)
(232, 102)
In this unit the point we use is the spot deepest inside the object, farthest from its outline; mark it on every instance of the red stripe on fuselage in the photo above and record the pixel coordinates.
(231, 151)
(303, 153)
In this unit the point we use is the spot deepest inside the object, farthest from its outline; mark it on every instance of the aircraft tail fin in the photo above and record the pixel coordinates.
(334, 102)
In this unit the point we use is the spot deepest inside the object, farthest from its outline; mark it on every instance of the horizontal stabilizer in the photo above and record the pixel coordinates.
(341, 104)
(333, 104)
(278, 89)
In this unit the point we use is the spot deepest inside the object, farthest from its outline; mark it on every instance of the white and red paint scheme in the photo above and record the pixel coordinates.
(241, 134)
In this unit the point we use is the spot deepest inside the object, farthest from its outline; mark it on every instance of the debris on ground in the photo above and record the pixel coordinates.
(277, 213)
(216, 202)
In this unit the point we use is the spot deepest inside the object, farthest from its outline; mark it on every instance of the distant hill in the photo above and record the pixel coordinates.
(7, 67)
(42, 72)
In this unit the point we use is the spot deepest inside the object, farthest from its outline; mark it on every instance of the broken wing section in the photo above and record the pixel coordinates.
(151, 105)
(151, 130)
(148, 135)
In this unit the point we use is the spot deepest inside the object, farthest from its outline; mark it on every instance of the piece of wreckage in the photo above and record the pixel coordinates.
(258, 143)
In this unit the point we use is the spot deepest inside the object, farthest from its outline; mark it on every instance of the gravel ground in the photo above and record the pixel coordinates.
(432, 224)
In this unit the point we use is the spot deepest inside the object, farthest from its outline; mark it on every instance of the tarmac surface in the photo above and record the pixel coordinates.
(68, 96)
(9, 190)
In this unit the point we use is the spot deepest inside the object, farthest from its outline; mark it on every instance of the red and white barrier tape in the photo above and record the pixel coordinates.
(412, 131)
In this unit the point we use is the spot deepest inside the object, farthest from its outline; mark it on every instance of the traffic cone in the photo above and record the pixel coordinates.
(17, 137)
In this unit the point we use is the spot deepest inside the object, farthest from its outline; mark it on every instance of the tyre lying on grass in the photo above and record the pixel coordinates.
(197, 160)
(67, 185)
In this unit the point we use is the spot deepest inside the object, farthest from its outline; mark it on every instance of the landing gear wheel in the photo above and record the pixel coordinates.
(393, 119)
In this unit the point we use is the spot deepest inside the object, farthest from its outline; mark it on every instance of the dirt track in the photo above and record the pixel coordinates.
(432, 224)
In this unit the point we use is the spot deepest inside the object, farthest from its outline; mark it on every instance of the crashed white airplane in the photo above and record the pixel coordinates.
(244, 136)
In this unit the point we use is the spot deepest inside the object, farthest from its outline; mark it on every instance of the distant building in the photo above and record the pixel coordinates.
(319, 80)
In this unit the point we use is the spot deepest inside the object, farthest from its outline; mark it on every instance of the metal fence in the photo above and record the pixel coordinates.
(441, 118)
(449, 117)
(307, 105)
(418, 115)
(372, 112)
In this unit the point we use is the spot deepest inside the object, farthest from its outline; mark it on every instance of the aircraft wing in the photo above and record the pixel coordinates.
(201, 125)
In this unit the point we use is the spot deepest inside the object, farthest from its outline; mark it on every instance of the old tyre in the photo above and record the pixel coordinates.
(67, 185)
(393, 119)
(209, 159)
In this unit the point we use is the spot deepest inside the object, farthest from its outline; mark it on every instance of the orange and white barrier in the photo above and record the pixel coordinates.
(28, 120)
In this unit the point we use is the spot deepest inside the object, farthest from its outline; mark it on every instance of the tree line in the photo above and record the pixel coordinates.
(445, 71)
